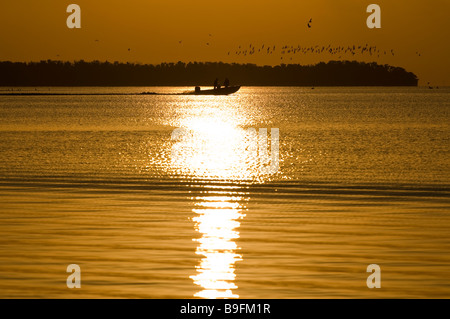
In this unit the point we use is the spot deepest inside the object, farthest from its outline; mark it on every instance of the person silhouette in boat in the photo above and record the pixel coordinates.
(216, 84)
(226, 83)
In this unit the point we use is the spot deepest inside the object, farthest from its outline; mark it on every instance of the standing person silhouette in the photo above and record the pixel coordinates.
(226, 83)
(216, 84)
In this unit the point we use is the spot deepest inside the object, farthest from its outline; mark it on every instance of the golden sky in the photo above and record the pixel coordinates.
(36, 30)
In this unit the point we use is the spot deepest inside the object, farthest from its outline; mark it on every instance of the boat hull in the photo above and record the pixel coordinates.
(221, 91)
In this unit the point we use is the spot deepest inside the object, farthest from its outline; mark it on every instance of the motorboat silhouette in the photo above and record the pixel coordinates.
(217, 91)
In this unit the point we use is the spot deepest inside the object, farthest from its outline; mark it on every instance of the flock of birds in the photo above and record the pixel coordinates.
(289, 51)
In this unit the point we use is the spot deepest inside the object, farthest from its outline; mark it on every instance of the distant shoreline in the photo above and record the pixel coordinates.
(95, 73)
(27, 90)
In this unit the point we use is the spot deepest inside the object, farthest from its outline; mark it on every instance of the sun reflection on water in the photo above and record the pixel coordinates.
(217, 220)
(212, 149)
(215, 150)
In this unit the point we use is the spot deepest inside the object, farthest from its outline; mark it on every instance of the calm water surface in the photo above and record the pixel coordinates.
(93, 180)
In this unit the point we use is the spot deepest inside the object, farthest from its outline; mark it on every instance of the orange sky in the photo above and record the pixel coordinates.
(35, 30)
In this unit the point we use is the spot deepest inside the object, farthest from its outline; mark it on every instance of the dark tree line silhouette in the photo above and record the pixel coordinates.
(81, 73)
